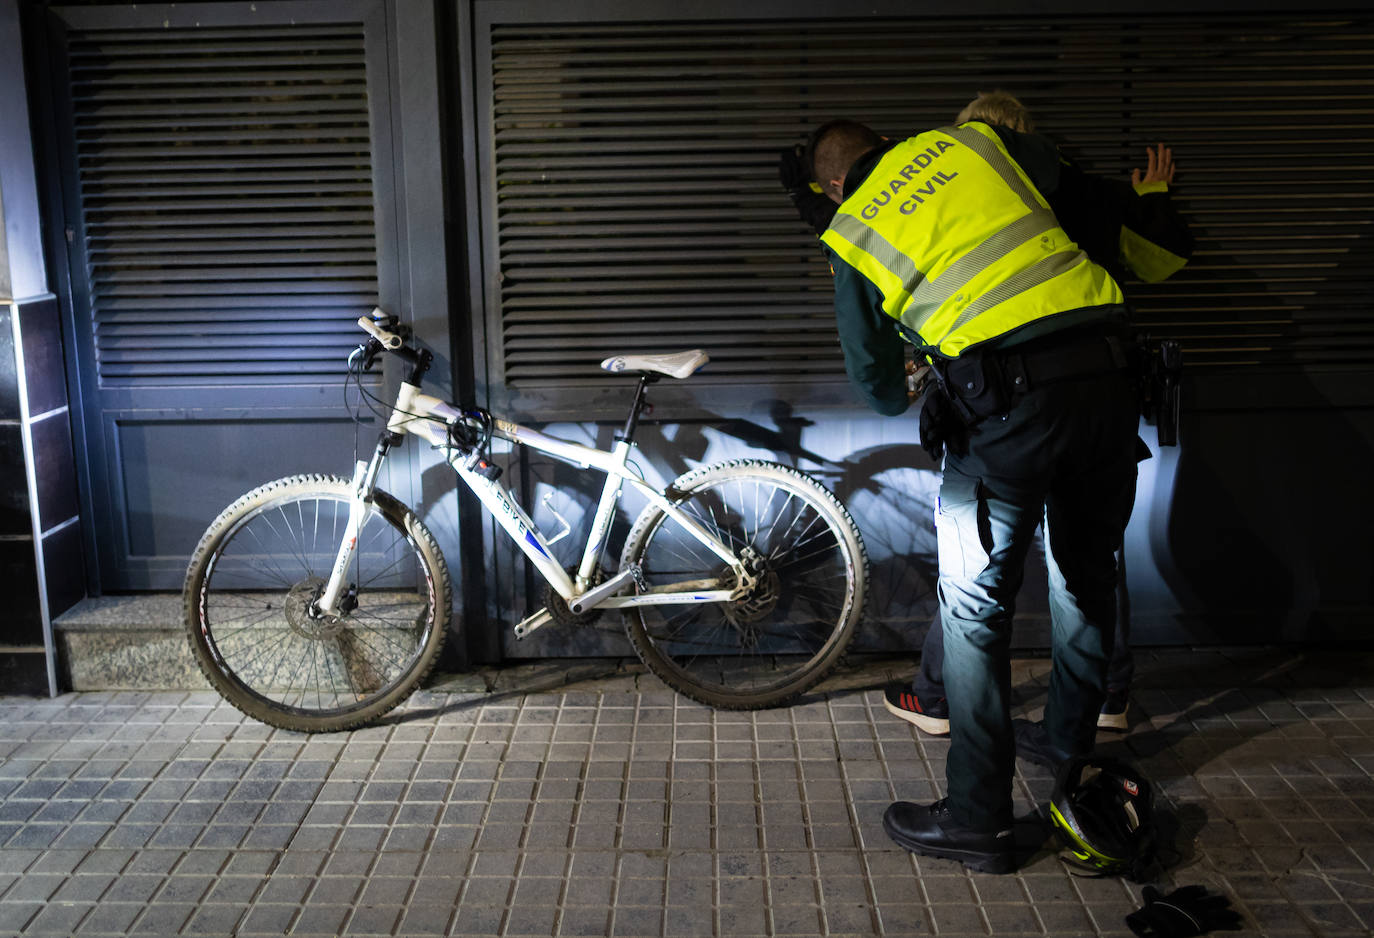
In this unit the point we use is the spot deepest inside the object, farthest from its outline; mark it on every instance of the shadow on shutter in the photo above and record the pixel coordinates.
(633, 174)
(226, 183)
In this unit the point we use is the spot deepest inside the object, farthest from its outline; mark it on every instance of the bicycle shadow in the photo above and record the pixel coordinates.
(892, 491)
(507, 683)
(699, 442)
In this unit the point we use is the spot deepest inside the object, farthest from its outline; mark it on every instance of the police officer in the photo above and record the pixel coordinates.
(1132, 230)
(946, 240)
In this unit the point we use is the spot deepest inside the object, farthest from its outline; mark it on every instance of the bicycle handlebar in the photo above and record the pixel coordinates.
(389, 340)
(385, 340)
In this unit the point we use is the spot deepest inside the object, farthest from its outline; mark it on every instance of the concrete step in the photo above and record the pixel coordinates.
(135, 642)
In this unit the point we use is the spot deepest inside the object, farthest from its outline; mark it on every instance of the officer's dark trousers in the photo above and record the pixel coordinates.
(1065, 452)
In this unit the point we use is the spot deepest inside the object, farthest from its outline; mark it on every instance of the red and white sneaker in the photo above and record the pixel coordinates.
(1113, 714)
(928, 716)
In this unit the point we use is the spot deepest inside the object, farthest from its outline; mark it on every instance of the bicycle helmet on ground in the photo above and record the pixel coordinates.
(1103, 812)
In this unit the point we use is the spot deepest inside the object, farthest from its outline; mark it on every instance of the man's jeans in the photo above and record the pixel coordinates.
(929, 682)
(1065, 453)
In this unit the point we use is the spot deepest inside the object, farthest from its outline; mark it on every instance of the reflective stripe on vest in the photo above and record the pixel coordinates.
(973, 217)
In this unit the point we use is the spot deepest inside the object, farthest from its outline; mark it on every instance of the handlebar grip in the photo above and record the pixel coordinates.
(388, 339)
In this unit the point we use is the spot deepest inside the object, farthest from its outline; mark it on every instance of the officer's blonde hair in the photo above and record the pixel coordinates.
(998, 107)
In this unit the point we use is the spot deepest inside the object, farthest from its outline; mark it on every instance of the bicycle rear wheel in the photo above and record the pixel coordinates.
(780, 639)
(250, 614)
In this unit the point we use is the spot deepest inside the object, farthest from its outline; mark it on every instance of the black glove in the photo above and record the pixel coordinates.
(1182, 913)
(936, 422)
(815, 208)
(792, 172)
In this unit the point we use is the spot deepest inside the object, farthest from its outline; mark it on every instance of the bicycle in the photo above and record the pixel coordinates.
(319, 603)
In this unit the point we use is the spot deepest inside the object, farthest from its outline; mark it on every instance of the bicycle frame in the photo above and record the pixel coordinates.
(429, 418)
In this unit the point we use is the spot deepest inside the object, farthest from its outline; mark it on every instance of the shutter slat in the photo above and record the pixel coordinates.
(301, 98)
(268, 223)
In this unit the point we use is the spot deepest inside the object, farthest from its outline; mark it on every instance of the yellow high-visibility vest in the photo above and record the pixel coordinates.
(960, 243)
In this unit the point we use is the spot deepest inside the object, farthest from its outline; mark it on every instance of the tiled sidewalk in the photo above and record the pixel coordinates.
(613, 807)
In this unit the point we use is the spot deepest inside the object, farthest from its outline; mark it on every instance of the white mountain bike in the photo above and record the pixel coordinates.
(319, 603)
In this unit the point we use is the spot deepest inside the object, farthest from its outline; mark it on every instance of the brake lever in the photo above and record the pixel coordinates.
(370, 351)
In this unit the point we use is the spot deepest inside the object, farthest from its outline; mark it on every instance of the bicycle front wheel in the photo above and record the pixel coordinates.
(782, 637)
(251, 614)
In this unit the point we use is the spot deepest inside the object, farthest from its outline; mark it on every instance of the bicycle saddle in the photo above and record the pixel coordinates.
(676, 365)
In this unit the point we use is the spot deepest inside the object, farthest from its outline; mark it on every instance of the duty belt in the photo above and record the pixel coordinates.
(981, 386)
(1096, 354)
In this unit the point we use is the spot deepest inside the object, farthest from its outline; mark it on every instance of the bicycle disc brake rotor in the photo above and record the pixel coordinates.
(757, 604)
(301, 614)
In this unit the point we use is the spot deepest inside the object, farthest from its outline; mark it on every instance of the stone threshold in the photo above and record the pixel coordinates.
(133, 642)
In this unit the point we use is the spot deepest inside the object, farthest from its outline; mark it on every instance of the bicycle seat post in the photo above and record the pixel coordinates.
(636, 408)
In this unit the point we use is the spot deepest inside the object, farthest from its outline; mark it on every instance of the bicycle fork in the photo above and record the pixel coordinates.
(364, 482)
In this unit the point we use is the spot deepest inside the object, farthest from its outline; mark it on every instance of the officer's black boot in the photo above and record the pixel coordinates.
(931, 831)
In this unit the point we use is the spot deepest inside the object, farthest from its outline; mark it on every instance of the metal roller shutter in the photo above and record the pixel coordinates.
(632, 189)
(226, 189)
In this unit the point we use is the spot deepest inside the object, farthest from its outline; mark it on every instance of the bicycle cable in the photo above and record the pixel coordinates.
(379, 407)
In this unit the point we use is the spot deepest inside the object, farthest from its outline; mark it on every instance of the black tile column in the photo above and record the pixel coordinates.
(41, 556)
(23, 644)
(53, 460)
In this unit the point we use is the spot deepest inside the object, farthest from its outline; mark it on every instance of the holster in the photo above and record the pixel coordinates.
(977, 384)
(967, 390)
(1160, 374)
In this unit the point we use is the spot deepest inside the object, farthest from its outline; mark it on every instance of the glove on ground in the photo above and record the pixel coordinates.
(1185, 912)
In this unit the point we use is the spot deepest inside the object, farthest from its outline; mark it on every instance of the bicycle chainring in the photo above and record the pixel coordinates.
(558, 606)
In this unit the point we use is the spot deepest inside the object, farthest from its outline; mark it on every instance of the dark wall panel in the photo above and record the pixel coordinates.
(179, 475)
(22, 623)
(45, 374)
(255, 232)
(229, 210)
(64, 566)
(1254, 529)
(16, 519)
(55, 470)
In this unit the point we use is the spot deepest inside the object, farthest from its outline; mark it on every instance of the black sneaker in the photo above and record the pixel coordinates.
(1113, 714)
(930, 830)
(931, 716)
(1033, 744)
